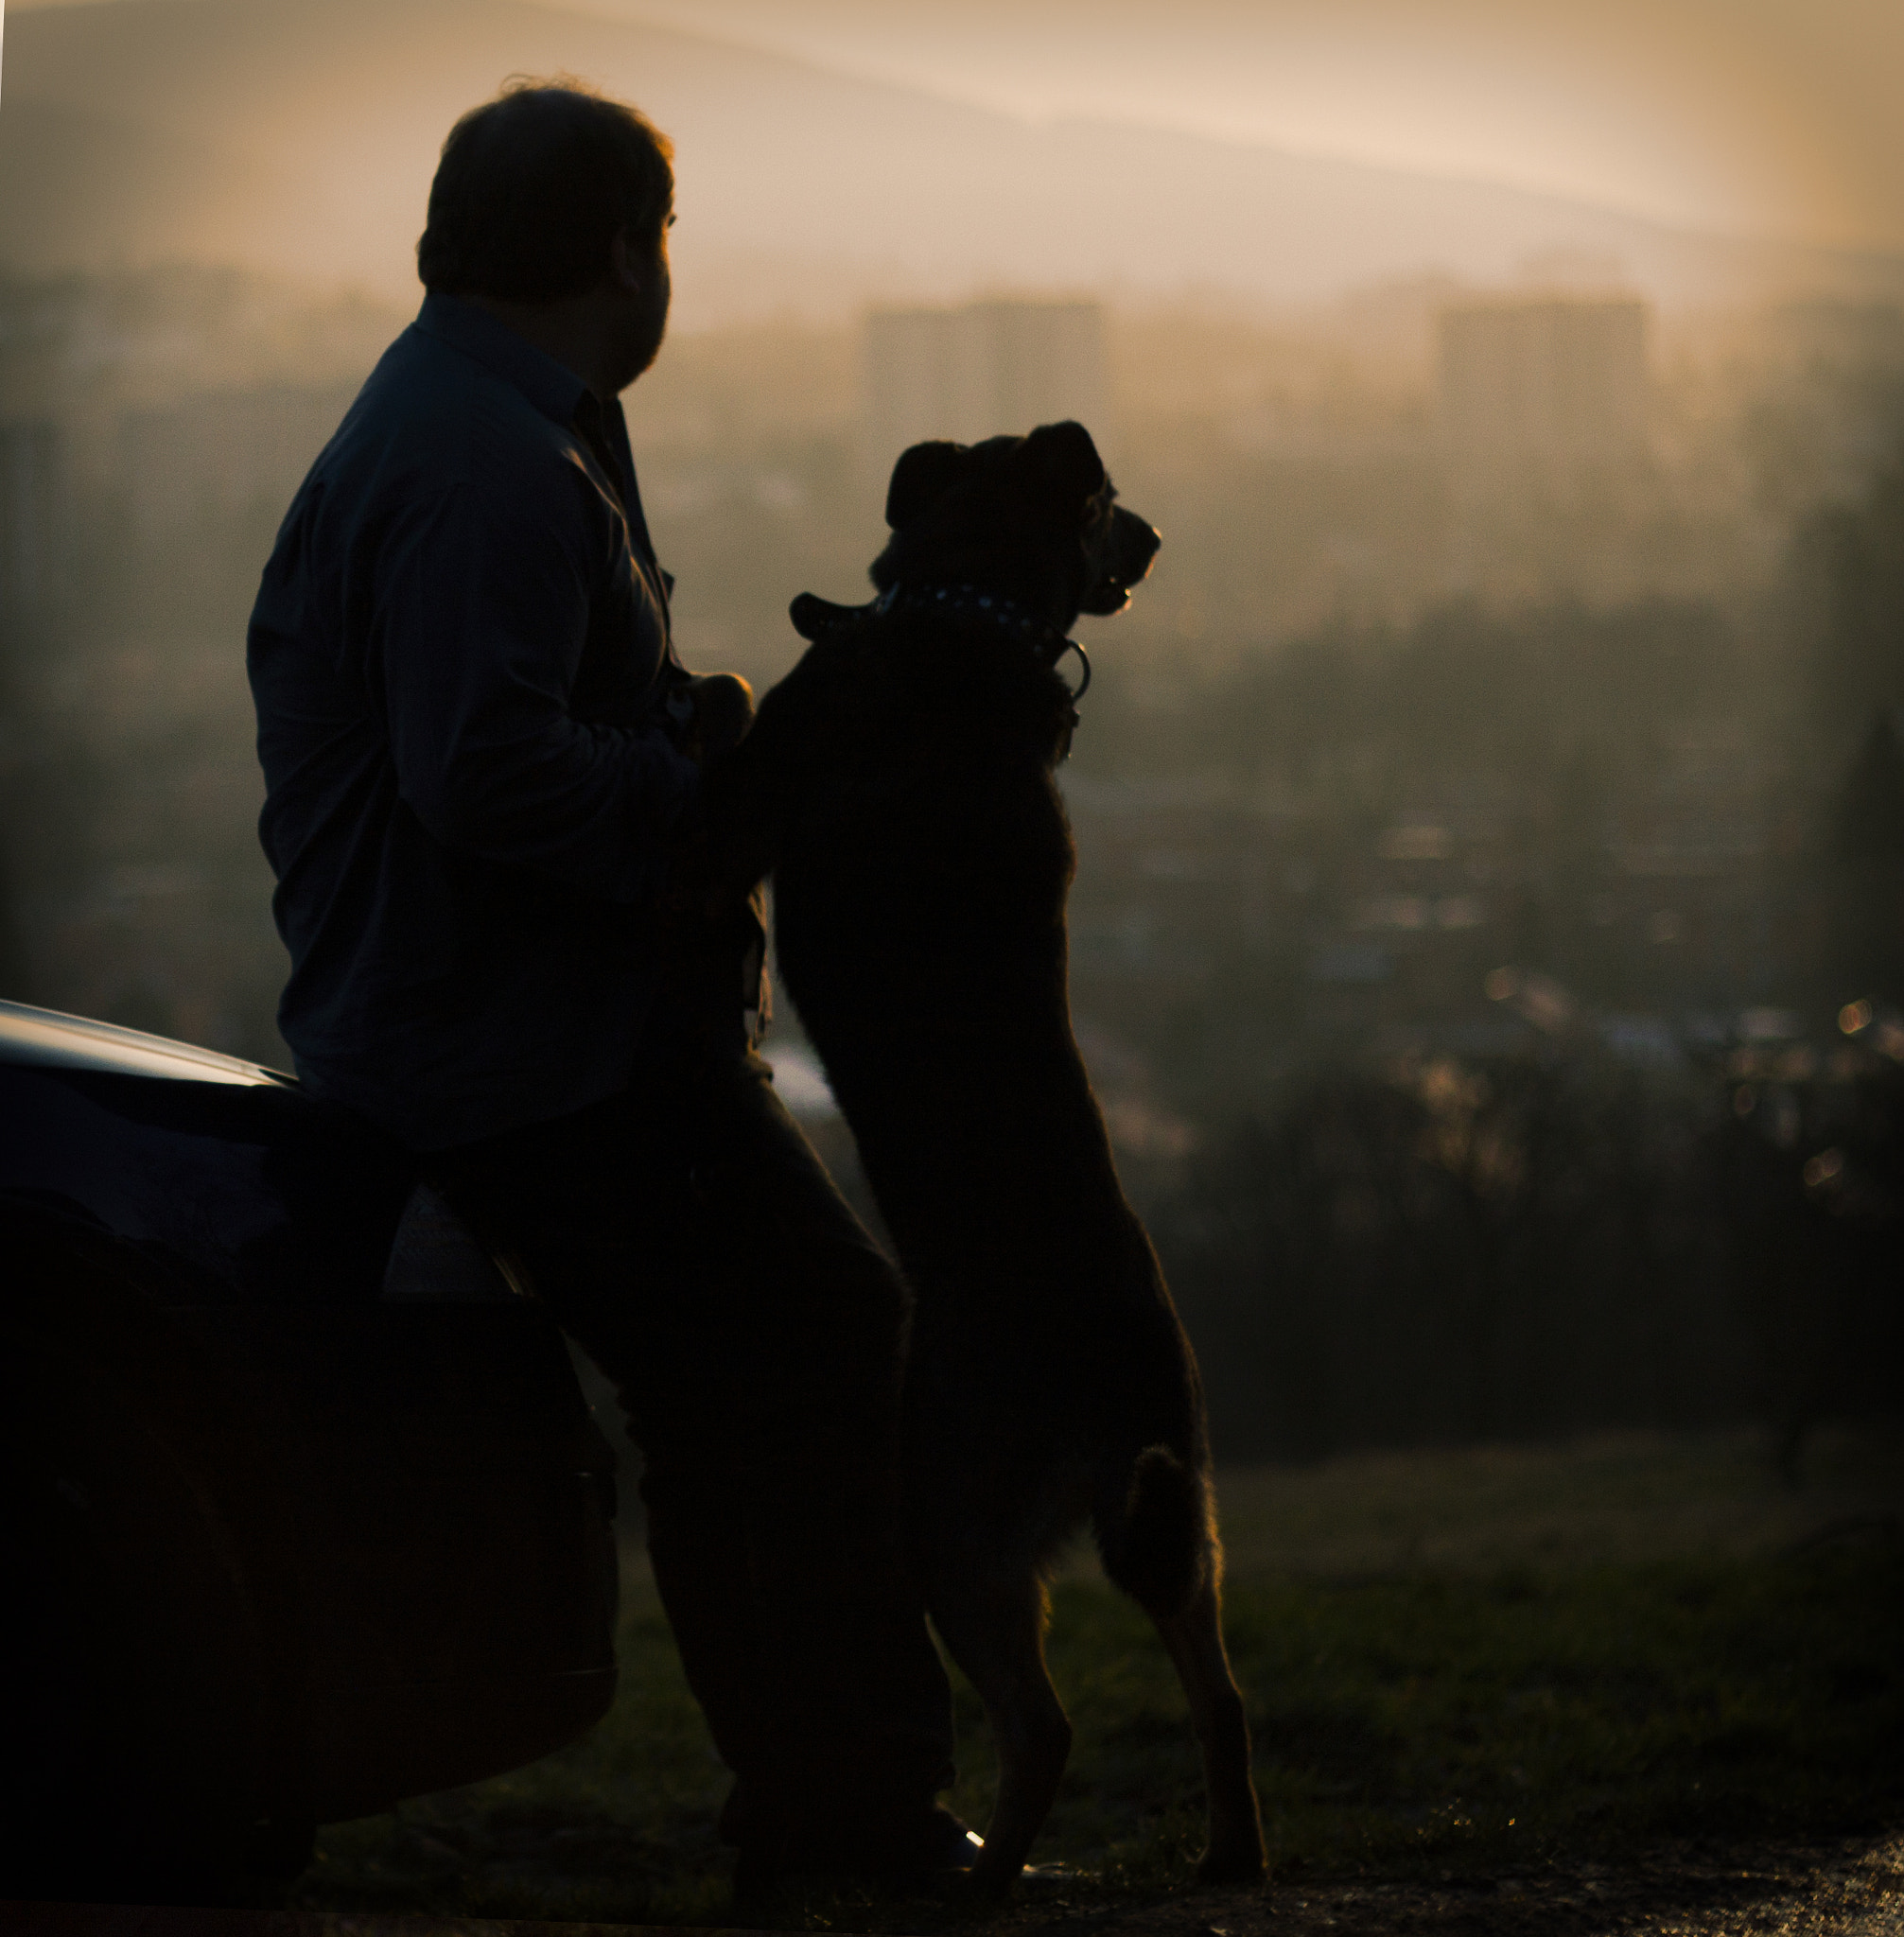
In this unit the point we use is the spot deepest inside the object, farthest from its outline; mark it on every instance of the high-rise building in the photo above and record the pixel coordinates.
(1555, 386)
(1545, 439)
(976, 371)
(29, 512)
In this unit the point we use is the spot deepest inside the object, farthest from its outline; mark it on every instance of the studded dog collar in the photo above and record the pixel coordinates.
(1044, 639)
(811, 616)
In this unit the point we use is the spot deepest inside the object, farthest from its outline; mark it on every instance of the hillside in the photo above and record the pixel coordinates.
(299, 135)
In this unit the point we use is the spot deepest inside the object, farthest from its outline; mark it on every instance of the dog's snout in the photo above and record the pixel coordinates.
(1133, 545)
(1123, 557)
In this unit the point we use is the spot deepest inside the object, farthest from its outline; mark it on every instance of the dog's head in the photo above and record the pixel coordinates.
(1034, 519)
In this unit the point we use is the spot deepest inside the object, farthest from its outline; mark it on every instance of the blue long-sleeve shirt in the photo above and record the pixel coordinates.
(460, 657)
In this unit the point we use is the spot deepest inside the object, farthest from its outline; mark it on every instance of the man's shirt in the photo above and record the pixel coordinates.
(460, 657)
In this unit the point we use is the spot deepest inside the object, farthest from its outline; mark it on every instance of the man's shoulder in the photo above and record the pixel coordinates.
(430, 418)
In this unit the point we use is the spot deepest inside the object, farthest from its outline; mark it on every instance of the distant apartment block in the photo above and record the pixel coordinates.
(1555, 386)
(29, 512)
(973, 372)
(1545, 427)
(222, 455)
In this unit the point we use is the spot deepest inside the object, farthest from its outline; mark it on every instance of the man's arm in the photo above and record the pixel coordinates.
(751, 789)
(482, 612)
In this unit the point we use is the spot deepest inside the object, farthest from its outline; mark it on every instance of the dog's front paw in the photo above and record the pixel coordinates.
(1238, 1867)
(983, 1883)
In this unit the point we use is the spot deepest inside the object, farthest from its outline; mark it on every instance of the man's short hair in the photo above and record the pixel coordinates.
(533, 187)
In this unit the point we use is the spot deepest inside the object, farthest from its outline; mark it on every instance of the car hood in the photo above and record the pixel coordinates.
(44, 1039)
(218, 1178)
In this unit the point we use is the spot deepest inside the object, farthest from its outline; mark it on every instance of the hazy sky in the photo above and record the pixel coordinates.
(1777, 115)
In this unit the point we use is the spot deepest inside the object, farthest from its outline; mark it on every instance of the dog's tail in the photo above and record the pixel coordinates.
(1157, 1531)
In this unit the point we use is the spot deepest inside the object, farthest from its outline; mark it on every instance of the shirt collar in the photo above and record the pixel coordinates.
(552, 387)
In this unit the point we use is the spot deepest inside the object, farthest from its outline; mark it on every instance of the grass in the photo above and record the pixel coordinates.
(1473, 1661)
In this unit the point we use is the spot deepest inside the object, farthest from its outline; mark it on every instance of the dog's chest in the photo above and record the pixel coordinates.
(932, 768)
(925, 848)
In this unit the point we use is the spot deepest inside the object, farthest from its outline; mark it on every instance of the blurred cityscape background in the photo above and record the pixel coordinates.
(1489, 931)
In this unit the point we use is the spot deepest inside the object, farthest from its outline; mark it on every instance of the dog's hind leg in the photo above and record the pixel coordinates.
(994, 1631)
(1195, 1641)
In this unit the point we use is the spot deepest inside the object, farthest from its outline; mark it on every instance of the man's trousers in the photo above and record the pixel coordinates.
(685, 1235)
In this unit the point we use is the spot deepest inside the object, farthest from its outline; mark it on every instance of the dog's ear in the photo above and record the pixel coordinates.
(1065, 454)
(922, 476)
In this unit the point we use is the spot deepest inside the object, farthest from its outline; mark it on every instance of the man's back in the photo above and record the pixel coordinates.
(460, 654)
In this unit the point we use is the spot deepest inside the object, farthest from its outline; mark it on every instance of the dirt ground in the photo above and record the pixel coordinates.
(1819, 1890)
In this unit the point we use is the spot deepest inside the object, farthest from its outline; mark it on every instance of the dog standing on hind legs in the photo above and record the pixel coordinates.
(899, 784)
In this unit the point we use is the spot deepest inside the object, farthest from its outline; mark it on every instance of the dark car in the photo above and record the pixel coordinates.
(302, 1509)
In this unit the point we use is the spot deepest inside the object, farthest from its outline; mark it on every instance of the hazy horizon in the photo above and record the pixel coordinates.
(1726, 118)
(300, 140)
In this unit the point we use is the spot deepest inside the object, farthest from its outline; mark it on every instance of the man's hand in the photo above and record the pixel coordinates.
(719, 709)
(712, 712)
(719, 934)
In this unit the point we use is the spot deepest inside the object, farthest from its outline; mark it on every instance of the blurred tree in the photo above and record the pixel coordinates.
(1868, 851)
(1849, 584)
(1454, 1253)
(1808, 1188)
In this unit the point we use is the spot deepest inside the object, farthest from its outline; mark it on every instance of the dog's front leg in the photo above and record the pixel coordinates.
(749, 786)
(1195, 1642)
(995, 1631)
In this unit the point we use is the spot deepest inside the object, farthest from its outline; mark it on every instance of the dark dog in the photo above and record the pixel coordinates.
(899, 784)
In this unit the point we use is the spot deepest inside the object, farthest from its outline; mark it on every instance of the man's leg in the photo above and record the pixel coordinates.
(688, 1238)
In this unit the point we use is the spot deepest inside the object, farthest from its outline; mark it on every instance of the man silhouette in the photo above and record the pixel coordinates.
(477, 747)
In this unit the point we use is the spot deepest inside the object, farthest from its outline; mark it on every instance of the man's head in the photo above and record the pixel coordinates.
(552, 193)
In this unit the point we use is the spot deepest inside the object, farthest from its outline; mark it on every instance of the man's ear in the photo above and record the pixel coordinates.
(922, 476)
(1065, 454)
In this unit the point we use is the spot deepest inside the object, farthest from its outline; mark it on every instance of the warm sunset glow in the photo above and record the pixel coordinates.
(1748, 115)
